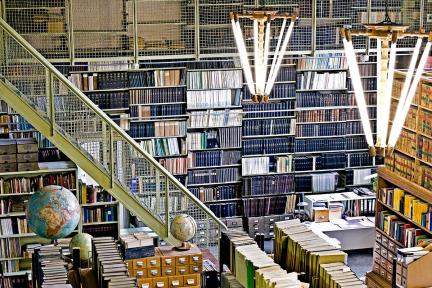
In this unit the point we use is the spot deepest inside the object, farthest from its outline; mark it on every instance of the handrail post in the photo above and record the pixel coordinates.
(111, 155)
(135, 31)
(167, 210)
(50, 95)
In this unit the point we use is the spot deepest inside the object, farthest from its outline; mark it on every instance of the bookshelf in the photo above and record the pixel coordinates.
(16, 239)
(397, 225)
(214, 137)
(329, 142)
(410, 158)
(99, 211)
(267, 158)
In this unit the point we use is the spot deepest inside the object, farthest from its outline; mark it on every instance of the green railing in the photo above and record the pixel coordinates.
(79, 128)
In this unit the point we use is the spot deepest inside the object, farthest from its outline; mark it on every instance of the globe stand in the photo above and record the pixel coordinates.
(184, 246)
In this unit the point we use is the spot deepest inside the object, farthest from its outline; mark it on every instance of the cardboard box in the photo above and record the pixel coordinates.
(8, 158)
(321, 214)
(8, 147)
(27, 157)
(31, 166)
(27, 146)
(8, 167)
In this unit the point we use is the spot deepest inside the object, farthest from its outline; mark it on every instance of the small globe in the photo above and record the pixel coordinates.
(53, 212)
(82, 241)
(183, 227)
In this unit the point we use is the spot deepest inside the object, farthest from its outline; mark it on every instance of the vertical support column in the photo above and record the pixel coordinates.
(111, 156)
(422, 4)
(70, 32)
(3, 35)
(314, 26)
(167, 208)
(158, 191)
(197, 29)
(50, 101)
(135, 31)
(381, 89)
(369, 17)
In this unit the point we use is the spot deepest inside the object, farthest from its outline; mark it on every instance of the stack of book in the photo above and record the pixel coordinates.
(49, 267)
(299, 249)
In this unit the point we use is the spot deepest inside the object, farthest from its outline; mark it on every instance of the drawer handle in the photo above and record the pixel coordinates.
(145, 285)
(182, 260)
(160, 284)
(182, 271)
(168, 261)
(190, 281)
(140, 273)
(175, 283)
(139, 263)
(153, 262)
(153, 272)
(195, 258)
(168, 271)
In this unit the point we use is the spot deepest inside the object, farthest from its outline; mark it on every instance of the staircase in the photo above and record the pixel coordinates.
(35, 89)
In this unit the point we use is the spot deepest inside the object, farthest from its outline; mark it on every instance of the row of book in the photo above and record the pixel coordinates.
(398, 229)
(156, 78)
(322, 81)
(322, 115)
(15, 122)
(176, 166)
(356, 143)
(425, 100)
(110, 100)
(100, 81)
(146, 112)
(268, 146)
(360, 159)
(425, 176)
(314, 145)
(279, 91)
(268, 185)
(368, 69)
(218, 138)
(319, 99)
(330, 161)
(12, 204)
(324, 182)
(402, 165)
(269, 110)
(407, 143)
(13, 226)
(94, 194)
(99, 214)
(305, 163)
(317, 130)
(323, 61)
(277, 205)
(208, 194)
(165, 95)
(225, 209)
(286, 73)
(425, 122)
(213, 79)
(32, 184)
(214, 158)
(157, 129)
(9, 247)
(165, 146)
(409, 205)
(213, 176)
(215, 118)
(269, 127)
(359, 176)
(213, 98)
(265, 165)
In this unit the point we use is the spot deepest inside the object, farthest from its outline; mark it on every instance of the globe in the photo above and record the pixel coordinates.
(82, 241)
(53, 212)
(183, 227)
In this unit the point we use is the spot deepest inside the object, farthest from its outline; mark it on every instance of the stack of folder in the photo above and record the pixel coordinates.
(299, 249)
(338, 275)
(252, 267)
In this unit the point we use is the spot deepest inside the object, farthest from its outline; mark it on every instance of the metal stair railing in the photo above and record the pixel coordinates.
(34, 88)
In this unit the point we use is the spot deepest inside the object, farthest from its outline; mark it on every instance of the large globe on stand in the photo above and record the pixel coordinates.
(83, 242)
(53, 212)
(183, 228)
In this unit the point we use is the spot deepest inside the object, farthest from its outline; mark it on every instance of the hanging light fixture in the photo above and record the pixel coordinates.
(261, 84)
(386, 33)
